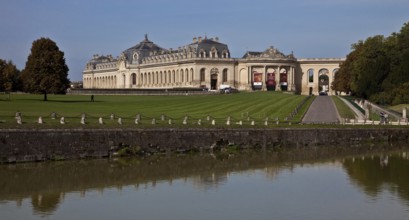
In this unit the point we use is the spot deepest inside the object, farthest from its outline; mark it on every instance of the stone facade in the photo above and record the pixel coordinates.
(206, 63)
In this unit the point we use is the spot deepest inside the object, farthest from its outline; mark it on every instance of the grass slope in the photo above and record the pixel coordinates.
(256, 105)
(343, 110)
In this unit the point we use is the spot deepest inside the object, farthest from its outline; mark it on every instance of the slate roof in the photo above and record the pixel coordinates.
(145, 47)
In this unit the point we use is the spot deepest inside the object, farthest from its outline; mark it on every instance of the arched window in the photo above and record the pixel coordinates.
(169, 77)
(202, 74)
(133, 78)
(191, 74)
(310, 73)
(187, 75)
(224, 78)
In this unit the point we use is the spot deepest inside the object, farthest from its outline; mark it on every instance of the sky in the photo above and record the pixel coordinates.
(81, 28)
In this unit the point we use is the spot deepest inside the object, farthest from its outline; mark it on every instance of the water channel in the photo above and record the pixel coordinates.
(316, 183)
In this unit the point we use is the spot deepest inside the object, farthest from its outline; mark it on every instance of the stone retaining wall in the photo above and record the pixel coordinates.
(37, 145)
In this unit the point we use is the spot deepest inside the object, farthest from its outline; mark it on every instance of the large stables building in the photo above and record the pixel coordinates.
(206, 63)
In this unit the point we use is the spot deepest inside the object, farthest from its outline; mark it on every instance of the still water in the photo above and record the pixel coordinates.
(304, 184)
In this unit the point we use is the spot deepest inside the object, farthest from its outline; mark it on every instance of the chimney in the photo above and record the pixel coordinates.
(199, 39)
(194, 40)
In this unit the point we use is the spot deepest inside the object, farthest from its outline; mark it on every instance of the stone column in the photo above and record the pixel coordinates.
(277, 75)
(315, 89)
(289, 78)
(292, 78)
(263, 79)
(249, 75)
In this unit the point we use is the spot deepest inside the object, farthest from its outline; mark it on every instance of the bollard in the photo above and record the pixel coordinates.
(199, 122)
(62, 120)
(213, 122)
(40, 120)
(101, 122)
(83, 120)
(120, 120)
(153, 121)
(136, 121)
(19, 120)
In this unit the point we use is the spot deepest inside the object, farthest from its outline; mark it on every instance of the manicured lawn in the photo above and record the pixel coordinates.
(242, 106)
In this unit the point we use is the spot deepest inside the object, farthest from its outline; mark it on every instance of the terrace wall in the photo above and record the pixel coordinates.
(19, 145)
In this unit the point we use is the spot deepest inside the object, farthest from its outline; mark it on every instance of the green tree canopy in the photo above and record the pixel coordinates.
(370, 68)
(377, 68)
(9, 77)
(45, 71)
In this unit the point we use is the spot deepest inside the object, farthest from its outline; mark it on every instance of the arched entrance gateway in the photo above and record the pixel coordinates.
(323, 81)
(271, 81)
(283, 80)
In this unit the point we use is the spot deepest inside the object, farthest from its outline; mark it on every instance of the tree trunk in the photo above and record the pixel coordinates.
(45, 96)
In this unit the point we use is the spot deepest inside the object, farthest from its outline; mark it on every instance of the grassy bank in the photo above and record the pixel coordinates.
(242, 106)
(343, 110)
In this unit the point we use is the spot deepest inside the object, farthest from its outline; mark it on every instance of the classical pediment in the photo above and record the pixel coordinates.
(272, 52)
(269, 53)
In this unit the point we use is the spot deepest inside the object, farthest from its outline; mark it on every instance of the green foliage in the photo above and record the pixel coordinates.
(45, 71)
(377, 69)
(395, 96)
(370, 67)
(9, 77)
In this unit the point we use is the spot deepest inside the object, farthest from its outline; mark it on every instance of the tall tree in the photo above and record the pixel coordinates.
(45, 71)
(370, 68)
(399, 53)
(9, 76)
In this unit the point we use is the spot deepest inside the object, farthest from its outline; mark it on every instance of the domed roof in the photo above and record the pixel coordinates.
(143, 49)
(146, 44)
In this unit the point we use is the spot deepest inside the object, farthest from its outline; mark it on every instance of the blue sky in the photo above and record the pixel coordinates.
(81, 28)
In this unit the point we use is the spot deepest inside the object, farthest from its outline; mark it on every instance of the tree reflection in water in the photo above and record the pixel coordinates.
(46, 184)
(380, 172)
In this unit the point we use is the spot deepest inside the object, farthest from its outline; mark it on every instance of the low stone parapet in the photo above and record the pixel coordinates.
(49, 144)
